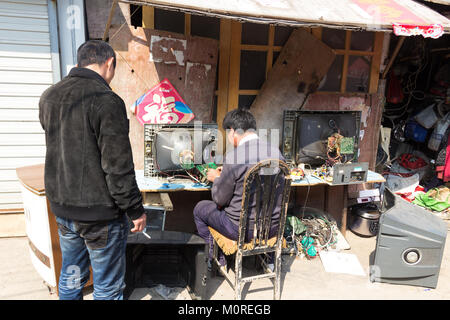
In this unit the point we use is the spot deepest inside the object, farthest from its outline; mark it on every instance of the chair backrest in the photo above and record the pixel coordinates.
(264, 183)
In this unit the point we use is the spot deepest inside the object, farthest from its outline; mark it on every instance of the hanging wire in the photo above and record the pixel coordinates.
(125, 60)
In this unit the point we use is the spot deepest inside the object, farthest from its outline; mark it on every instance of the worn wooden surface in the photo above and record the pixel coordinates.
(190, 64)
(32, 178)
(134, 76)
(191, 70)
(302, 64)
(97, 16)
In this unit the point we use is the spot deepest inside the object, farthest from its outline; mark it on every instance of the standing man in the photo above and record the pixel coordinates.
(89, 174)
(224, 211)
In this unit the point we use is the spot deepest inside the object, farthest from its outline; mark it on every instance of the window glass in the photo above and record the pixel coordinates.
(203, 26)
(245, 101)
(334, 38)
(253, 69)
(255, 33)
(281, 35)
(358, 74)
(362, 40)
(332, 80)
(166, 20)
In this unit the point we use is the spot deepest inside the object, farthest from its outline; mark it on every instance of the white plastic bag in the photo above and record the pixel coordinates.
(427, 118)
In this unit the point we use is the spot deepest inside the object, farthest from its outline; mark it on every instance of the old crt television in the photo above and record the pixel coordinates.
(170, 148)
(305, 135)
(410, 244)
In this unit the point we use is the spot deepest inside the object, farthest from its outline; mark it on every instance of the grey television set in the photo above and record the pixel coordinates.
(410, 244)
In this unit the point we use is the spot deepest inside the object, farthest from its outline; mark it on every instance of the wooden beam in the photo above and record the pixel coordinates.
(376, 62)
(224, 69)
(317, 32)
(235, 65)
(187, 24)
(269, 60)
(148, 17)
(394, 55)
(108, 23)
(348, 38)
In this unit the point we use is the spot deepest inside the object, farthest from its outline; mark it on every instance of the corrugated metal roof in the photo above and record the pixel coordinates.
(375, 15)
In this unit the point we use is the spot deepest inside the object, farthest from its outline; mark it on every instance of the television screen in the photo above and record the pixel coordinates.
(317, 137)
(170, 148)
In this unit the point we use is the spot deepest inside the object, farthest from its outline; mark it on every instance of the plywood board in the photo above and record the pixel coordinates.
(97, 12)
(139, 68)
(302, 64)
(190, 64)
(134, 76)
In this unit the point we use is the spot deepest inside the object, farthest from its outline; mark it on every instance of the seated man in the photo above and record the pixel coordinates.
(223, 213)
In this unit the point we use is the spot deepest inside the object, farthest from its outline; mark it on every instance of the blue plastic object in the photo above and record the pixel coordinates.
(171, 186)
(415, 131)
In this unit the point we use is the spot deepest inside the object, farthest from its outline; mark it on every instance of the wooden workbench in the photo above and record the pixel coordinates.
(159, 185)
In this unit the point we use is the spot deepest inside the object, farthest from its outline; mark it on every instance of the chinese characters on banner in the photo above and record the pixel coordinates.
(404, 21)
(162, 104)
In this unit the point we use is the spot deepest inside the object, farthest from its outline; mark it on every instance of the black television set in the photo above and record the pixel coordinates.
(306, 134)
(171, 148)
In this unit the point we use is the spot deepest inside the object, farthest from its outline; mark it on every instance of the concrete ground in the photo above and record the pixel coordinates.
(301, 279)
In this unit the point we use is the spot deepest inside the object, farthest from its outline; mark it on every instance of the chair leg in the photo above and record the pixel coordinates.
(238, 275)
(214, 257)
(277, 280)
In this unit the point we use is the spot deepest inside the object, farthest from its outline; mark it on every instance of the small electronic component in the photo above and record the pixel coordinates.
(297, 174)
(203, 169)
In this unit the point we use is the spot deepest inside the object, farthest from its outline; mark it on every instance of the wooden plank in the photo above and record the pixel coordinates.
(295, 70)
(187, 24)
(148, 17)
(158, 199)
(376, 62)
(317, 32)
(270, 50)
(224, 69)
(348, 38)
(32, 177)
(167, 203)
(235, 64)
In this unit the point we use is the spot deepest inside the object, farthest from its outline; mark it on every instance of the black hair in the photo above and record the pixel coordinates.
(95, 52)
(239, 119)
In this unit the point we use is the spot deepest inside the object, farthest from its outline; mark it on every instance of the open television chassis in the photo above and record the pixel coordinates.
(290, 129)
(150, 132)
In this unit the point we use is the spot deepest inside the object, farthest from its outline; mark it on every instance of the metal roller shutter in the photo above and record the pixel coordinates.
(25, 72)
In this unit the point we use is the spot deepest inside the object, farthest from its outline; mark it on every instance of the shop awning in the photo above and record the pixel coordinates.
(446, 2)
(404, 17)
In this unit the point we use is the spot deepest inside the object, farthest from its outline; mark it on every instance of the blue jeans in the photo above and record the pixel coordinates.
(99, 244)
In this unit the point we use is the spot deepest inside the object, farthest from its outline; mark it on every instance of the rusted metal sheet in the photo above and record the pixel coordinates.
(300, 67)
(139, 68)
(375, 15)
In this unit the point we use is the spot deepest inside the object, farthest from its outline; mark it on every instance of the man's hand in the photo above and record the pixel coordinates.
(212, 174)
(139, 223)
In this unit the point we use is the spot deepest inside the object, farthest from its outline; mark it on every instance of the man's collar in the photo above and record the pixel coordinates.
(249, 137)
(87, 73)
